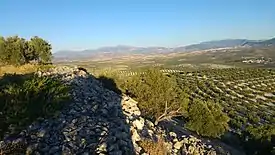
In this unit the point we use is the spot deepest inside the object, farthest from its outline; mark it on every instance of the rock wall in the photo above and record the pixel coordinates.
(97, 121)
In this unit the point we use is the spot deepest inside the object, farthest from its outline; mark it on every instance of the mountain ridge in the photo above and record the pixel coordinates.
(126, 49)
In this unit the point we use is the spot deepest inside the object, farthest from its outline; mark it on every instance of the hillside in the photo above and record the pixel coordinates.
(109, 52)
(122, 50)
(100, 117)
(212, 45)
(100, 121)
(215, 101)
(247, 96)
(264, 43)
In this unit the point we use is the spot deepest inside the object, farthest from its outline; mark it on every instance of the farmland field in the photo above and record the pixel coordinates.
(247, 95)
(196, 60)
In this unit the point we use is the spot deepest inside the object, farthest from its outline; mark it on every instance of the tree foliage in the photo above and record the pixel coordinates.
(39, 50)
(207, 118)
(159, 96)
(17, 51)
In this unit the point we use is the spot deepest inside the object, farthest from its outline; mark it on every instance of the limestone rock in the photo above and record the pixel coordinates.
(139, 124)
(135, 136)
(178, 145)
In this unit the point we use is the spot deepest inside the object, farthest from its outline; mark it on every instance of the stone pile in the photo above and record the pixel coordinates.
(97, 121)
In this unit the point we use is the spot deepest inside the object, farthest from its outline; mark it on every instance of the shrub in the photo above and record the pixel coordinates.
(24, 98)
(207, 119)
(159, 96)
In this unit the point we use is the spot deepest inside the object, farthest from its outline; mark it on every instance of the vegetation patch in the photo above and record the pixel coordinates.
(24, 98)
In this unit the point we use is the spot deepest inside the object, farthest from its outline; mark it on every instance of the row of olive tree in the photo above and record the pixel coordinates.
(15, 50)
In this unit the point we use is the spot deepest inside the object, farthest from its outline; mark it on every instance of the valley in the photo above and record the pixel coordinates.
(146, 77)
(200, 101)
(214, 58)
(241, 80)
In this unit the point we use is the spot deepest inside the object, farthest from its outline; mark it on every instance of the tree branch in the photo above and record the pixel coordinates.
(168, 115)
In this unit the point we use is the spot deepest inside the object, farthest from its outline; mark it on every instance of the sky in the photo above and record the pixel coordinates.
(89, 24)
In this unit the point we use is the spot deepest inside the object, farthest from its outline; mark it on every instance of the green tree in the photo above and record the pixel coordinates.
(14, 50)
(39, 50)
(159, 96)
(207, 118)
(2, 50)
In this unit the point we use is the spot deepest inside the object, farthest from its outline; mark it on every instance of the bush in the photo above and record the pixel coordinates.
(207, 119)
(24, 98)
(159, 96)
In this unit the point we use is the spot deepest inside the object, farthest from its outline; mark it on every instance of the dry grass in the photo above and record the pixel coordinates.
(24, 69)
(18, 69)
(154, 148)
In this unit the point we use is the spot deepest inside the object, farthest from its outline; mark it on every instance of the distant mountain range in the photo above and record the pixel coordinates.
(270, 42)
(114, 51)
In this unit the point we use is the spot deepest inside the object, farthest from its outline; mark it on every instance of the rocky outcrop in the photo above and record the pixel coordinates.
(97, 121)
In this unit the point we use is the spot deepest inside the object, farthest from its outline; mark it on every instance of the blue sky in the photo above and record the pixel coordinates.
(83, 24)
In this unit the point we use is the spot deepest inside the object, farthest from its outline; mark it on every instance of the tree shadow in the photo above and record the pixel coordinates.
(92, 123)
(257, 146)
(109, 83)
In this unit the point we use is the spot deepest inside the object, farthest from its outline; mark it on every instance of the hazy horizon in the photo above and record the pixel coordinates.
(79, 25)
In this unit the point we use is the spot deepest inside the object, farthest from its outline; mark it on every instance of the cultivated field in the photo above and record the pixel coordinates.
(247, 95)
(191, 61)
